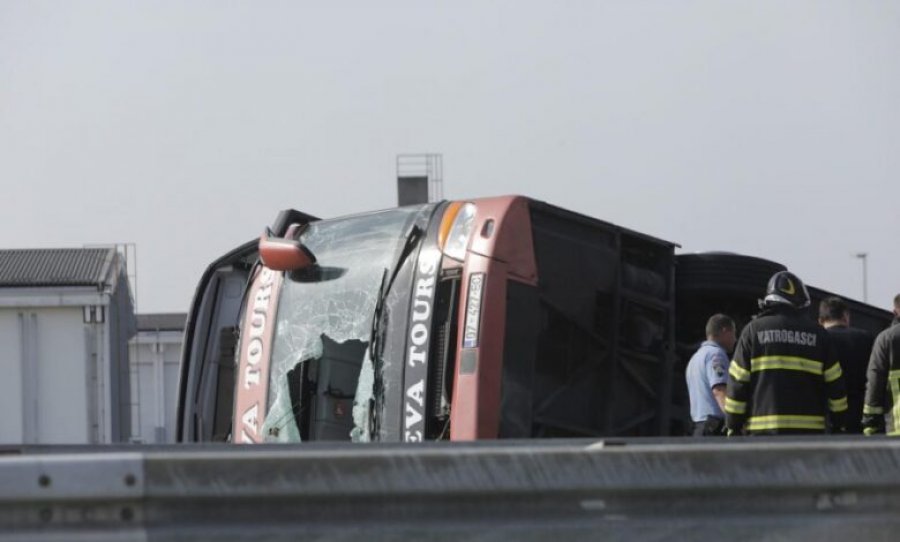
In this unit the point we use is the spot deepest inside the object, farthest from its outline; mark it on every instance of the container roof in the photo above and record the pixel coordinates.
(163, 321)
(55, 267)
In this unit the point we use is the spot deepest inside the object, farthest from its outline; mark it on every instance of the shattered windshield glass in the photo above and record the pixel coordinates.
(320, 363)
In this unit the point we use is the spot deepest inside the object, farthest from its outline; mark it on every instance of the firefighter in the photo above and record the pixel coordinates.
(785, 377)
(884, 373)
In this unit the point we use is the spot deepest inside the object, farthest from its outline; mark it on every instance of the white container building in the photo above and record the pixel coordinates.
(155, 353)
(66, 316)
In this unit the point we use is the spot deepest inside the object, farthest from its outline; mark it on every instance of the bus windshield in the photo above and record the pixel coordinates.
(320, 365)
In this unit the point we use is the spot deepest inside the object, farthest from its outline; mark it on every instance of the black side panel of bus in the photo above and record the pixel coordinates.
(590, 347)
(523, 324)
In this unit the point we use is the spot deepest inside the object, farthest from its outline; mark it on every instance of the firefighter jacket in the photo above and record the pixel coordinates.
(883, 375)
(785, 377)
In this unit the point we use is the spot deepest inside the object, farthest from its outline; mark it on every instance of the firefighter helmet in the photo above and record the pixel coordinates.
(787, 288)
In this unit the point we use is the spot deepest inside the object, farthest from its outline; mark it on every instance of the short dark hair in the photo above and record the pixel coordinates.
(718, 323)
(832, 308)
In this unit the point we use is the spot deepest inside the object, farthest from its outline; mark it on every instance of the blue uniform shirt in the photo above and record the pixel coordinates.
(708, 367)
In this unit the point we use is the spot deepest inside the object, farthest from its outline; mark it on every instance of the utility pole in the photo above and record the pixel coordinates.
(864, 256)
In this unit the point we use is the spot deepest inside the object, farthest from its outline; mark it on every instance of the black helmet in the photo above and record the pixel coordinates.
(787, 288)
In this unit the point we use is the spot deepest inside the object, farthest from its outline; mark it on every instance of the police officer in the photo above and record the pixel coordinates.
(785, 377)
(884, 374)
(707, 375)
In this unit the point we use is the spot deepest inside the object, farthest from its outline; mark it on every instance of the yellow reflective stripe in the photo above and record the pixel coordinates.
(733, 406)
(872, 410)
(800, 417)
(894, 374)
(895, 391)
(869, 431)
(738, 373)
(833, 373)
(760, 423)
(790, 363)
(838, 405)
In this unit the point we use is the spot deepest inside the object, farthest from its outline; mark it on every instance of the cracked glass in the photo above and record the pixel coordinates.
(325, 321)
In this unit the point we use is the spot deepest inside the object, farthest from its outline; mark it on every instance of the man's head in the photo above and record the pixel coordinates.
(897, 305)
(786, 288)
(720, 328)
(833, 311)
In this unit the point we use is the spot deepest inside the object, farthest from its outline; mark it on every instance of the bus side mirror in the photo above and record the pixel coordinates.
(284, 254)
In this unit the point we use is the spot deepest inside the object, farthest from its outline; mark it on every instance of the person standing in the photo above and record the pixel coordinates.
(707, 376)
(785, 377)
(853, 348)
(883, 374)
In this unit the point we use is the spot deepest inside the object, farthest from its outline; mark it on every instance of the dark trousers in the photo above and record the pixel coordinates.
(713, 426)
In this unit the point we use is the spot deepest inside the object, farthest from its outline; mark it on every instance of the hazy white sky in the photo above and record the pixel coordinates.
(766, 128)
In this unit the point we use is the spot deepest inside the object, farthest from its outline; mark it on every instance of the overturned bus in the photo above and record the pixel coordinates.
(499, 317)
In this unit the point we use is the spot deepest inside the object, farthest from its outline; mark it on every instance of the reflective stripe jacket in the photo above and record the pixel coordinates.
(785, 377)
(883, 374)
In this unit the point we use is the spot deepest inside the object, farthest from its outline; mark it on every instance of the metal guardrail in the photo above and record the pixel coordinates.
(745, 489)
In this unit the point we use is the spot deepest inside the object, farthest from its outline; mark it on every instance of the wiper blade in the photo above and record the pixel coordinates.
(376, 318)
(387, 281)
(375, 340)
